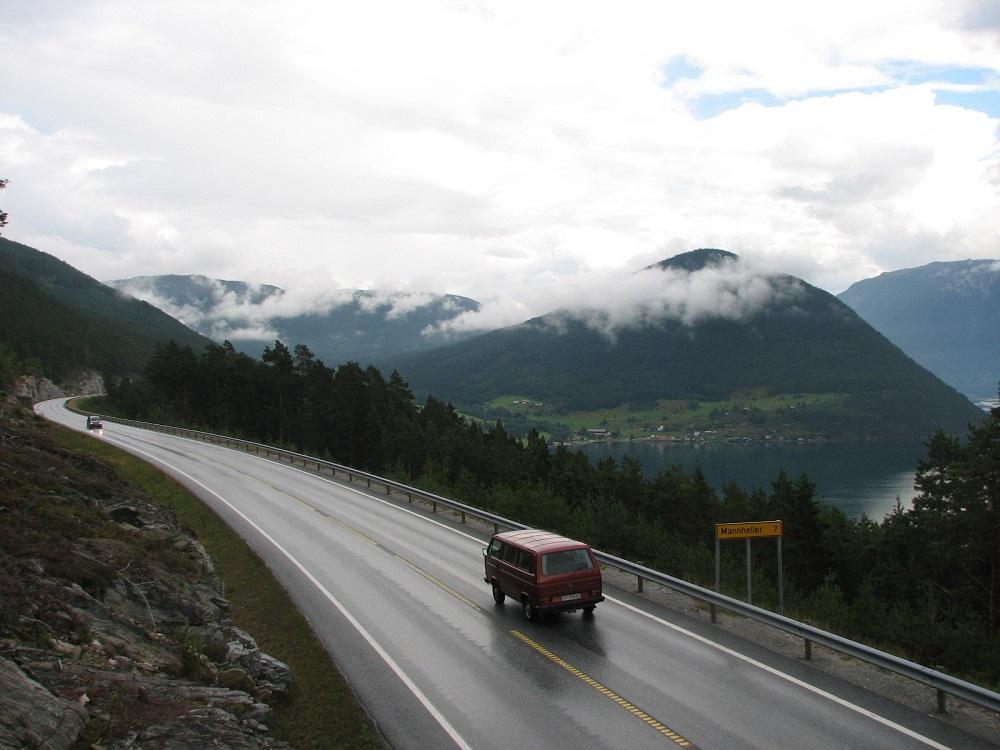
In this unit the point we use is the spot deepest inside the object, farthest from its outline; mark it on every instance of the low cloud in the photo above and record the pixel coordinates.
(251, 311)
(610, 303)
(394, 304)
(222, 332)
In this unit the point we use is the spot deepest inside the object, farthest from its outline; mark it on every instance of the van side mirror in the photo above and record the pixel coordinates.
(484, 551)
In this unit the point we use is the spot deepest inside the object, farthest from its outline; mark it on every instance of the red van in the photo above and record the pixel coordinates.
(543, 571)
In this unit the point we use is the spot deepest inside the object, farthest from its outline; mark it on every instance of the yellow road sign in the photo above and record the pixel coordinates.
(749, 530)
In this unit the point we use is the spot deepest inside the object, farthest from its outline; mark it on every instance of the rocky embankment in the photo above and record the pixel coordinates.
(113, 628)
(34, 388)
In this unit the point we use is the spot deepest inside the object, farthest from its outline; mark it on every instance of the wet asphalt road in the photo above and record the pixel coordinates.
(396, 594)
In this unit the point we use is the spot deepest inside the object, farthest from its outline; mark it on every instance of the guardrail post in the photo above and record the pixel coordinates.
(463, 516)
(496, 528)
(369, 482)
(809, 649)
(388, 489)
(434, 506)
(711, 607)
(942, 701)
(639, 584)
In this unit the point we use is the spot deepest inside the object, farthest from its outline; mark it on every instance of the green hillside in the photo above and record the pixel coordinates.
(67, 320)
(802, 343)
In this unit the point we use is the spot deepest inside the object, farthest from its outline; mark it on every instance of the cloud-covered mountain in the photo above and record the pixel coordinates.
(366, 326)
(945, 315)
(699, 326)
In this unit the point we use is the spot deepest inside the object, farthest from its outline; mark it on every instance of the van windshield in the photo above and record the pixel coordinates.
(566, 561)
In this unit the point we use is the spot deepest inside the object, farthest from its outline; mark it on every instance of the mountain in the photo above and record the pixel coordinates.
(70, 321)
(366, 326)
(695, 260)
(944, 315)
(707, 329)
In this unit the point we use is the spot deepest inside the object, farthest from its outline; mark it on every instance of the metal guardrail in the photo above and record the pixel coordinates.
(944, 684)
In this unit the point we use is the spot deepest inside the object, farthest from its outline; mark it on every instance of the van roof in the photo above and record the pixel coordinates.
(539, 540)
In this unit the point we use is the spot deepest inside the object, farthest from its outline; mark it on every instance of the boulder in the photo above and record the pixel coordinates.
(31, 716)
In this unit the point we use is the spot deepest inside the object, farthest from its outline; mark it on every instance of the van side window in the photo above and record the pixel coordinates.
(525, 561)
(510, 554)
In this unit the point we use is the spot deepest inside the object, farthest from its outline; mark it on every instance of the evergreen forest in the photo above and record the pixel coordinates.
(922, 583)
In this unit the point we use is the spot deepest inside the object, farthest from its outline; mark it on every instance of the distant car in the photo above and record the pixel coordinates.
(95, 423)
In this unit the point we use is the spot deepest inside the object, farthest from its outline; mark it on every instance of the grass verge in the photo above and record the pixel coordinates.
(321, 710)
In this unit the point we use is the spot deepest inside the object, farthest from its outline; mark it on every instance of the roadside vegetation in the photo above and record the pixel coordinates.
(922, 583)
(321, 710)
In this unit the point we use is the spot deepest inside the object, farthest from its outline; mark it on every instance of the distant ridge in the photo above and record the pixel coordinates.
(795, 339)
(362, 325)
(946, 315)
(70, 321)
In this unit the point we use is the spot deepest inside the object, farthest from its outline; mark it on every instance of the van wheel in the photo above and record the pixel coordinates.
(498, 595)
(588, 611)
(530, 610)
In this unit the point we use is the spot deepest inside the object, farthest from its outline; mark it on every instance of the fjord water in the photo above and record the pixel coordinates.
(863, 478)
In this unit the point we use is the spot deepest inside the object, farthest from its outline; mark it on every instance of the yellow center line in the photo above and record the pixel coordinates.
(327, 516)
(438, 582)
(347, 527)
(605, 691)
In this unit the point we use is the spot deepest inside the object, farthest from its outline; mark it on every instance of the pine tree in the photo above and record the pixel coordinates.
(959, 486)
(3, 214)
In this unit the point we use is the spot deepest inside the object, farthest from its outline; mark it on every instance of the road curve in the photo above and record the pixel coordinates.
(396, 595)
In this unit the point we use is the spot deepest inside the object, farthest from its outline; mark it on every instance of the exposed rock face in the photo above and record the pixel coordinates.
(35, 388)
(199, 728)
(84, 383)
(113, 627)
(32, 715)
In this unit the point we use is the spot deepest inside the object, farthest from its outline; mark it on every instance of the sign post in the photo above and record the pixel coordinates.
(751, 530)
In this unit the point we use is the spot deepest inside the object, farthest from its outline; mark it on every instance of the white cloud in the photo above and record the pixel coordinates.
(609, 303)
(495, 150)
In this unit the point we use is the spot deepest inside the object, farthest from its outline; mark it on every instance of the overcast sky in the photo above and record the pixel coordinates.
(506, 151)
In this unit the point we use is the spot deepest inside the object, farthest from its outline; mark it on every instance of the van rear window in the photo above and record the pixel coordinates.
(566, 561)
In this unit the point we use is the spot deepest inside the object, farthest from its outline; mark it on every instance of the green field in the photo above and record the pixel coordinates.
(748, 414)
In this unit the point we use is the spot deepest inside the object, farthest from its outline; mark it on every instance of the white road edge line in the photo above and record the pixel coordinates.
(390, 662)
(771, 670)
(778, 673)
